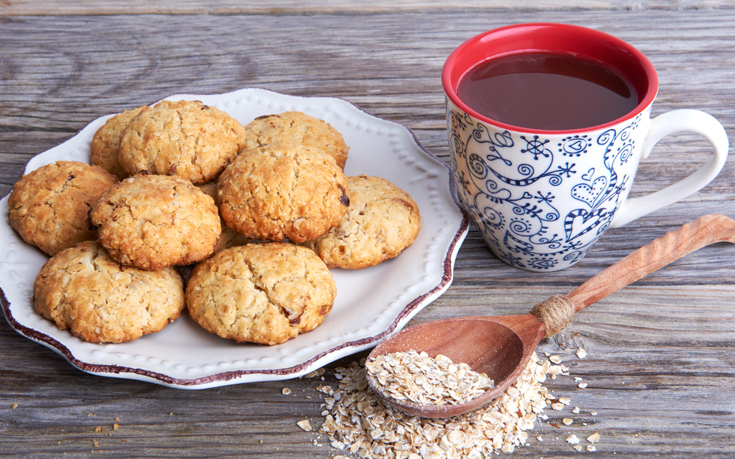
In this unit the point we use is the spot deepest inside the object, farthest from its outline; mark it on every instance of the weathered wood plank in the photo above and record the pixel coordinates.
(280, 7)
(661, 352)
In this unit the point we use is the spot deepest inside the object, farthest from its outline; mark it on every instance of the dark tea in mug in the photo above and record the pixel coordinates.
(547, 91)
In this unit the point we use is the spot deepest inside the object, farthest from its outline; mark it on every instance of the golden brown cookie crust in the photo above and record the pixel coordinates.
(155, 221)
(381, 222)
(229, 237)
(106, 142)
(186, 138)
(49, 206)
(261, 293)
(297, 128)
(281, 191)
(99, 300)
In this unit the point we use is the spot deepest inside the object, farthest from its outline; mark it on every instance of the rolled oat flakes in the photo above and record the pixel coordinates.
(357, 421)
(416, 377)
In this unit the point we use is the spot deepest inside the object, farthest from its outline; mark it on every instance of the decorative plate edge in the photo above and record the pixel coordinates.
(323, 358)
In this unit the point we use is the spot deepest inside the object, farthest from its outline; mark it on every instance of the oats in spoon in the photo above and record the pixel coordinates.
(418, 378)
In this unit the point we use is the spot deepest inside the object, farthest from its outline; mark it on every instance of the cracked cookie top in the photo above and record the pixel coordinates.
(264, 293)
(280, 191)
(185, 138)
(155, 221)
(297, 128)
(105, 145)
(49, 206)
(381, 222)
(99, 300)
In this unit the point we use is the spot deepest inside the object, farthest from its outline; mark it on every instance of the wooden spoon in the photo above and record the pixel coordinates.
(501, 346)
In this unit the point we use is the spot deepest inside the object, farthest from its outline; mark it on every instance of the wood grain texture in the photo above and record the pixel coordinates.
(661, 357)
(672, 246)
(281, 7)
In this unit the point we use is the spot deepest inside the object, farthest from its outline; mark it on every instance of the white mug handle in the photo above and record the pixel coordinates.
(661, 126)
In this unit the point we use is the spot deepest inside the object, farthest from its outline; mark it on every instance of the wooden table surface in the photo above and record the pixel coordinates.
(661, 363)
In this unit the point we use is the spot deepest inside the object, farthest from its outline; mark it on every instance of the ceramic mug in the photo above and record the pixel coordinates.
(542, 198)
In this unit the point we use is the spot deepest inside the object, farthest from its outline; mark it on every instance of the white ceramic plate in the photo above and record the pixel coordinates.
(371, 303)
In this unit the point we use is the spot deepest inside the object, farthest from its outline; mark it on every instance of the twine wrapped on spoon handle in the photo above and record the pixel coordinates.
(556, 313)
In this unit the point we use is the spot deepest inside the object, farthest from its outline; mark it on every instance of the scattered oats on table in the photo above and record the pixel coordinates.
(358, 422)
(315, 373)
(325, 390)
(305, 425)
(572, 439)
(359, 425)
(418, 378)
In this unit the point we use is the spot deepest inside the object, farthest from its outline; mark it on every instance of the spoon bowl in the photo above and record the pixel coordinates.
(465, 339)
(501, 346)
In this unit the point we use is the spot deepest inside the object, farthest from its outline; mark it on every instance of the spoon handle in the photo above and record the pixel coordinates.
(673, 245)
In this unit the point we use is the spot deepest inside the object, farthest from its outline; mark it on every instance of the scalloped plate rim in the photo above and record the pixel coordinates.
(222, 378)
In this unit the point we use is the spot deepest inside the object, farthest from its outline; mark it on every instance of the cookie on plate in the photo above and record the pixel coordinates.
(49, 206)
(280, 191)
(106, 142)
(186, 138)
(298, 128)
(263, 293)
(229, 237)
(155, 221)
(99, 300)
(381, 222)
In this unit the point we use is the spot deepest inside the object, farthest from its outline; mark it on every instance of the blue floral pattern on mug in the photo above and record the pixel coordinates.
(540, 201)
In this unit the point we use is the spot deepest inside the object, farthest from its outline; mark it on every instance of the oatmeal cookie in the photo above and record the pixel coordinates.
(186, 138)
(106, 142)
(280, 191)
(381, 222)
(155, 221)
(229, 237)
(297, 128)
(49, 206)
(262, 293)
(99, 300)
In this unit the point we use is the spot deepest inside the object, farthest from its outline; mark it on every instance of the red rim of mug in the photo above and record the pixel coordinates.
(583, 42)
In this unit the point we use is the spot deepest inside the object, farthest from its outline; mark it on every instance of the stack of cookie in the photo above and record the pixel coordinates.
(261, 213)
